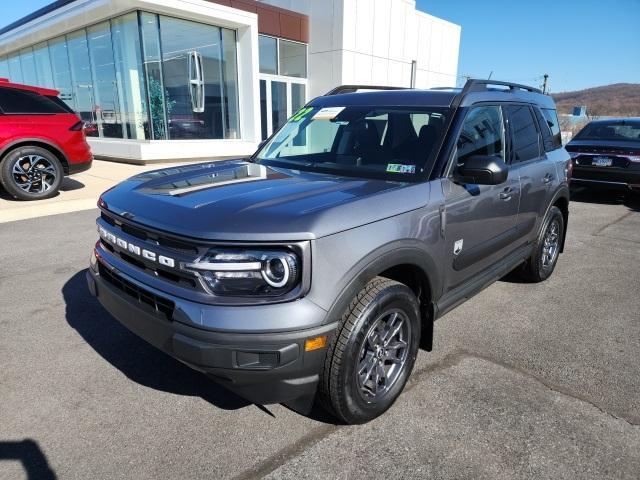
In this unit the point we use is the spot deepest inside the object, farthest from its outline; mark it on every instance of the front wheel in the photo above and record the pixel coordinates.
(372, 353)
(543, 261)
(31, 173)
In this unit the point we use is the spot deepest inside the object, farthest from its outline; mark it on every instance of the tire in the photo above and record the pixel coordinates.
(31, 173)
(543, 261)
(382, 306)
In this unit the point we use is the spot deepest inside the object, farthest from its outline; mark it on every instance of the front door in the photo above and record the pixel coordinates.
(537, 171)
(479, 219)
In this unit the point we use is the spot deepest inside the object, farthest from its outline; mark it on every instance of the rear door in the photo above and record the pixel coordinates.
(479, 219)
(537, 172)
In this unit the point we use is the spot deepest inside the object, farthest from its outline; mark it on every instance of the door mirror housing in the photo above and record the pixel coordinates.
(483, 170)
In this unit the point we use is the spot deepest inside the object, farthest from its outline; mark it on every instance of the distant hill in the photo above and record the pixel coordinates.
(619, 99)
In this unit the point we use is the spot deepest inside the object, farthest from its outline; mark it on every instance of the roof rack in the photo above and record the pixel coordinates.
(355, 88)
(476, 85)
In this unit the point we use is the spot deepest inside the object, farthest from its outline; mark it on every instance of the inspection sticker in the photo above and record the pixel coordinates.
(328, 113)
(400, 168)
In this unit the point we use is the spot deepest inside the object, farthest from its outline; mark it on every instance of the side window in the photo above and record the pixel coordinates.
(545, 130)
(526, 142)
(13, 101)
(482, 134)
(551, 116)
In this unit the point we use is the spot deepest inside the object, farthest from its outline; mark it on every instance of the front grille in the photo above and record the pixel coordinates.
(150, 236)
(177, 249)
(159, 304)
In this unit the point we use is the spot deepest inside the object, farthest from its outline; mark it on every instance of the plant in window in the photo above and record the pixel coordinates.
(158, 102)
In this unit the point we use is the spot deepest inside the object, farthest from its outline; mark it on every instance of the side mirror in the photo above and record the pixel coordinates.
(483, 170)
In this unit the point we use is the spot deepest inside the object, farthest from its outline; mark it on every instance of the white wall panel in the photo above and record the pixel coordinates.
(364, 26)
(382, 13)
(396, 28)
(349, 21)
(410, 35)
(379, 71)
(363, 68)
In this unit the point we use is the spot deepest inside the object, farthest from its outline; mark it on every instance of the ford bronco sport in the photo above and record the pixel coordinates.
(315, 269)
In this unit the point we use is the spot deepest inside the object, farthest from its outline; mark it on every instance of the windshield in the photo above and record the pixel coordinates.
(628, 131)
(371, 142)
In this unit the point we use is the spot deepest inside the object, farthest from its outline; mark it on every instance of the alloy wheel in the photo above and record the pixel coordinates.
(34, 173)
(550, 245)
(383, 355)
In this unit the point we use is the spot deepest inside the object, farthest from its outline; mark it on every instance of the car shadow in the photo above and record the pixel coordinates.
(135, 358)
(70, 184)
(630, 200)
(30, 455)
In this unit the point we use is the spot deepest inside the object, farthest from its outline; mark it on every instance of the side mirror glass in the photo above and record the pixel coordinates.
(483, 170)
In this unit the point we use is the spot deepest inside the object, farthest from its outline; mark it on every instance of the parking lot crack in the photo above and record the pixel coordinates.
(458, 356)
(281, 457)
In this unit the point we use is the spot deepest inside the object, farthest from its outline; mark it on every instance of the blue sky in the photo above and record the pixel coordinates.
(579, 43)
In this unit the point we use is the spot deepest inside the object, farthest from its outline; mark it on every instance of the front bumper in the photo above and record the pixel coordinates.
(263, 367)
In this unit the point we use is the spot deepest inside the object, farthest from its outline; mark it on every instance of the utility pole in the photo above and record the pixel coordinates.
(544, 85)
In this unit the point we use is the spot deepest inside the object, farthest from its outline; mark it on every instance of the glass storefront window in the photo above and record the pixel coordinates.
(268, 54)
(4, 68)
(129, 74)
(43, 65)
(29, 75)
(158, 106)
(298, 96)
(15, 70)
(230, 84)
(293, 59)
(278, 104)
(132, 77)
(81, 76)
(61, 71)
(263, 109)
(195, 64)
(106, 98)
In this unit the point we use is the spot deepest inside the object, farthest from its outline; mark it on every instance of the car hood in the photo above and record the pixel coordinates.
(238, 200)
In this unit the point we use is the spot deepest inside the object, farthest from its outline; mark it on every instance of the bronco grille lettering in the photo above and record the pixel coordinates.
(135, 249)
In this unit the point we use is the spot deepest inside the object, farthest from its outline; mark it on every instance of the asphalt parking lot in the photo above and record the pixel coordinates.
(525, 381)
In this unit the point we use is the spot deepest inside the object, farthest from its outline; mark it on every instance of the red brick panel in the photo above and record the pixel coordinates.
(274, 21)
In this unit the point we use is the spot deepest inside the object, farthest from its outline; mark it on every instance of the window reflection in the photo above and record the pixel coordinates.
(129, 77)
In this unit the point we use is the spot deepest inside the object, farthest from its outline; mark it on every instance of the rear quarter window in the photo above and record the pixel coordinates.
(14, 101)
(551, 116)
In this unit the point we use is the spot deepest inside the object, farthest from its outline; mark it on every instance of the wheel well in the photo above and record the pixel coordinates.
(417, 280)
(563, 204)
(59, 155)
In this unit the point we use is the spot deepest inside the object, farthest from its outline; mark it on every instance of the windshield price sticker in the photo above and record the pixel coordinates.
(328, 113)
(301, 114)
(399, 168)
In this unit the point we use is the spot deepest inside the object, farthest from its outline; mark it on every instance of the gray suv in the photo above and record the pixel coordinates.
(314, 270)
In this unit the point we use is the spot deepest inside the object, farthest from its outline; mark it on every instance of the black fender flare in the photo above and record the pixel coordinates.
(562, 192)
(402, 252)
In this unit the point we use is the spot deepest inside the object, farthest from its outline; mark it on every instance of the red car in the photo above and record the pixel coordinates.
(41, 141)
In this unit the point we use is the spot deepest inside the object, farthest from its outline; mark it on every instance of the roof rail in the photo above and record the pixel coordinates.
(476, 85)
(355, 88)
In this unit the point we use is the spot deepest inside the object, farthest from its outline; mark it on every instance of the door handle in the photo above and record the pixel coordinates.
(547, 178)
(506, 194)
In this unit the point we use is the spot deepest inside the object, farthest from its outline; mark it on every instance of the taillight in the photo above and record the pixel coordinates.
(77, 127)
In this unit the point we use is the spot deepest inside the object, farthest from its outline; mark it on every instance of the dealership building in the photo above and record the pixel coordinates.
(177, 79)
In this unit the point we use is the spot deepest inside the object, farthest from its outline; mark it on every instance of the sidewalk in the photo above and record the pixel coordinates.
(79, 192)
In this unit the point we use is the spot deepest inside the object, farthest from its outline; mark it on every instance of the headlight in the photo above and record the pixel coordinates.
(248, 272)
